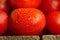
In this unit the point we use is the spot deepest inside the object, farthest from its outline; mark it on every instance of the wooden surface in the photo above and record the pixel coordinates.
(44, 37)
(19, 38)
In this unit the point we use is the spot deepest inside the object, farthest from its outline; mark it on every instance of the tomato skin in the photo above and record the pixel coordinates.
(3, 22)
(53, 22)
(4, 6)
(48, 6)
(25, 3)
(27, 21)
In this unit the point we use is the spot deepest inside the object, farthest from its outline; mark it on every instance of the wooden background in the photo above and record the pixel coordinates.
(44, 37)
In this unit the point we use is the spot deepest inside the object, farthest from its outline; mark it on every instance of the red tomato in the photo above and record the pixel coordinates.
(4, 5)
(48, 6)
(27, 21)
(53, 22)
(3, 22)
(25, 3)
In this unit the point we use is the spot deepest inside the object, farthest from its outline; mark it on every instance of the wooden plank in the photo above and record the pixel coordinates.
(58, 37)
(49, 37)
(19, 38)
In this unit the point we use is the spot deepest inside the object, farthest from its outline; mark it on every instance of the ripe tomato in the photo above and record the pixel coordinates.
(25, 3)
(48, 6)
(27, 21)
(4, 5)
(3, 22)
(53, 22)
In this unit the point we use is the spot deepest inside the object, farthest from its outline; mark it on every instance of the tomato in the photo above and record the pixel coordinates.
(48, 6)
(4, 5)
(27, 21)
(25, 3)
(3, 22)
(53, 22)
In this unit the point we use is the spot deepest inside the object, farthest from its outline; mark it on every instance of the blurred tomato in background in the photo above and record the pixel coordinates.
(53, 22)
(3, 22)
(48, 6)
(25, 3)
(4, 5)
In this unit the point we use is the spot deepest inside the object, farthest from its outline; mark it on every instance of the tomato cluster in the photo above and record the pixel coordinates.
(29, 17)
